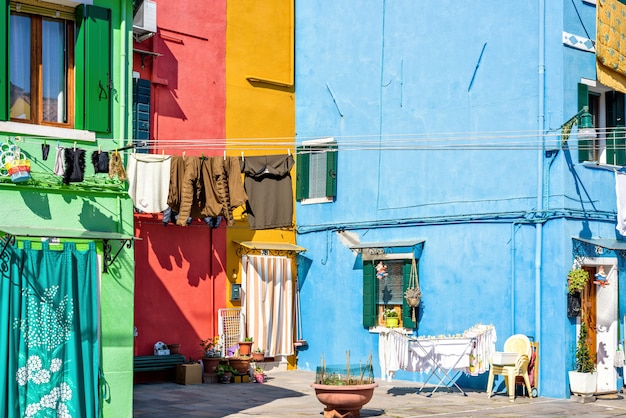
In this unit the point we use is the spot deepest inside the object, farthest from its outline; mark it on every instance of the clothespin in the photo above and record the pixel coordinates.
(203, 155)
(241, 155)
(163, 152)
(184, 152)
(224, 155)
(99, 149)
(288, 151)
(74, 145)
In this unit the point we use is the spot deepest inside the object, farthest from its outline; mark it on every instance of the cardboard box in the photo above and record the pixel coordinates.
(189, 374)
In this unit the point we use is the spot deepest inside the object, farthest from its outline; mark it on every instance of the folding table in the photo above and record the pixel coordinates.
(445, 357)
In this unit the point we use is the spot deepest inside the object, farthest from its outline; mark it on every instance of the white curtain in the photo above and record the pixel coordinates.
(267, 303)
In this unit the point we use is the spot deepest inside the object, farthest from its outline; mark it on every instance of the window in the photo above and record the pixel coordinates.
(41, 69)
(57, 61)
(607, 108)
(316, 171)
(380, 293)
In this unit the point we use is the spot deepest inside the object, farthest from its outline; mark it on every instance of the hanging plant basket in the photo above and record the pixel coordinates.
(413, 294)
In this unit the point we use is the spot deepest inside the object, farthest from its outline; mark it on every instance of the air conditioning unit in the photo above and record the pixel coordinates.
(144, 21)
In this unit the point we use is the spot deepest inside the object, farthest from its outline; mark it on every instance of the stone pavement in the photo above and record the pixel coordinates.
(289, 394)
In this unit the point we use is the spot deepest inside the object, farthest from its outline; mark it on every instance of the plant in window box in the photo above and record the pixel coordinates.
(391, 318)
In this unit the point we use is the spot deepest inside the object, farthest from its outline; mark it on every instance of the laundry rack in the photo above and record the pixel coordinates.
(229, 328)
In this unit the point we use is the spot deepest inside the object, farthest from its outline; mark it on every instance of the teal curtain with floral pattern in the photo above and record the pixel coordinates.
(49, 332)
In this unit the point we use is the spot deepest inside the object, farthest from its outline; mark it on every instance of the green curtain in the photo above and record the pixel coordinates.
(49, 332)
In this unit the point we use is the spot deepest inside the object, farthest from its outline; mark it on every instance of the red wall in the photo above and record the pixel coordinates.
(179, 284)
(179, 271)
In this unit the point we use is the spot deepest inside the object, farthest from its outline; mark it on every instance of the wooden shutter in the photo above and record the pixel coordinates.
(4, 62)
(407, 320)
(331, 171)
(303, 159)
(93, 69)
(585, 147)
(615, 144)
(369, 294)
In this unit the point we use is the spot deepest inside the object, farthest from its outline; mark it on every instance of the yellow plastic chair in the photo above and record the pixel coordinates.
(519, 344)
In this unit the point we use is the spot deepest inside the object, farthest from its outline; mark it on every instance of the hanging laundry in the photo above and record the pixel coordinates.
(100, 161)
(116, 167)
(45, 150)
(268, 186)
(148, 181)
(59, 162)
(74, 165)
(620, 191)
(206, 188)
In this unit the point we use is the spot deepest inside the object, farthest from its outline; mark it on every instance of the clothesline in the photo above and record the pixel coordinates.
(402, 352)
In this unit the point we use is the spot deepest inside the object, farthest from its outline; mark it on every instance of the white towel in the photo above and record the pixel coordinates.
(620, 192)
(149, 181)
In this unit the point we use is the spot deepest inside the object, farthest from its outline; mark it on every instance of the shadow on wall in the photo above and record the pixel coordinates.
(37, 203)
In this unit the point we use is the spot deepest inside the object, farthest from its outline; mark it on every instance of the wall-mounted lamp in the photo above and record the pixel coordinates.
(584, 121)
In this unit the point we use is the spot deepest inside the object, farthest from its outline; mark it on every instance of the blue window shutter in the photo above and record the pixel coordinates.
(93, 68)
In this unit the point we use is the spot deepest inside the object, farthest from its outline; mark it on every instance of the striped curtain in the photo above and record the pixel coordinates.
(267, 303)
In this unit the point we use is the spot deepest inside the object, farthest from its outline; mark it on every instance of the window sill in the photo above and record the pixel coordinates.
(316, 200)
(381, 329)
(16, 128)
(599, 166)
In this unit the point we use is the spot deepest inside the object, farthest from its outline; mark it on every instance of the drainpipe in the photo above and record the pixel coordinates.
(123, 72)
(540, 172)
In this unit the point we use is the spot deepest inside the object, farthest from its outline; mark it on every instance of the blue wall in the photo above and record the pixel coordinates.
(437, 107)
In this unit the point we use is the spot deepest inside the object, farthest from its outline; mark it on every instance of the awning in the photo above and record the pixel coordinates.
(61, 233)
(608, 243)
(389, 250)
(271, 248)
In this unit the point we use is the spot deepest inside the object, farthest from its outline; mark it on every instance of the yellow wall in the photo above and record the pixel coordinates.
(260, 100)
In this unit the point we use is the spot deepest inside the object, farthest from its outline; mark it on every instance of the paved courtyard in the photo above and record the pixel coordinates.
(288, 394)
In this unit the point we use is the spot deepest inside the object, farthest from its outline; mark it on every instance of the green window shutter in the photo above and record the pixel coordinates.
(585, 153)
(369, 294)
(4, 62)
(303, 159)
(93, 69)
(407, 320)
(615, 144)
(331, 171)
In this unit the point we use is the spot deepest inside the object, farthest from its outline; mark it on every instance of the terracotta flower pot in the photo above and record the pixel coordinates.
(344, 399)
(241, 365)
(245, 348)
(210, 364)
(174, 348)
(258, 356)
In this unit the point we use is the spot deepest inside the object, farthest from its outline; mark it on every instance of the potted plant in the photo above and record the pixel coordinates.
(245, 346)
(583, 379)
(259, 375)
(344, 389)
(391, 318)
(211, 354)
(577, 280)
(258, 354)
(225, 373)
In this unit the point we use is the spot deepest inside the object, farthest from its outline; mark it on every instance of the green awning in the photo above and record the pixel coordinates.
(25, 231)
(608, 243)
(387, 250)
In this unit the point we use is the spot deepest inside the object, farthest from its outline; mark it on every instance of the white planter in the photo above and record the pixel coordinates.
(583, 384)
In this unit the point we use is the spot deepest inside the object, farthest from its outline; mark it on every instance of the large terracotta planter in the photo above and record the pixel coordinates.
(345, 400)
(210, 364)
(241, 365)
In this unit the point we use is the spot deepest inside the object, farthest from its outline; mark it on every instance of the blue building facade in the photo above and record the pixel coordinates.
(434, 130)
